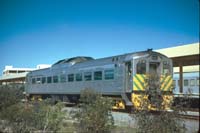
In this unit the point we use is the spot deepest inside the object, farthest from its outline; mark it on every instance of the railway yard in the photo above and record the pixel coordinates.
(99, 66)
(145, 78)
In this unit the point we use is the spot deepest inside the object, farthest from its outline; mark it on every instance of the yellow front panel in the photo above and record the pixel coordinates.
(166, 83)
(141, 102)
(139, 83)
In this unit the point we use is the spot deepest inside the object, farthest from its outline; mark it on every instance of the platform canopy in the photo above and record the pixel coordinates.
(185, 55)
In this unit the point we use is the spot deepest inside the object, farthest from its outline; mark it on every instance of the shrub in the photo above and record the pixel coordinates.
(160, 121)
(95, 112)
(163, 122)
(33, 117)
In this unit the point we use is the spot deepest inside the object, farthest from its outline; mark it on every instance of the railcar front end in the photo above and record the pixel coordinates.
(152, 82)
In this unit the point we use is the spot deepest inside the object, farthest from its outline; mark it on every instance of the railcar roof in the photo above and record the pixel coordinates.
(73, 59)
(81, 59)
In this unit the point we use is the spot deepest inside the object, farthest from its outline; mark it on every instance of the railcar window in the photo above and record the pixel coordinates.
(186, 82)
(98, 75)
(192, 82)
(141, 67)
(70, 77)
(38, 81)
(109, 74)
(55, 79)
(88, 76)
(49, 79)
(33, 81)
(43, 80)
(174, 83)
(63, 78)
(79, 77)
(166, 68)
(197, 81)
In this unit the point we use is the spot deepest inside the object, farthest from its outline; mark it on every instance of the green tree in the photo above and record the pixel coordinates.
(9, 95)
(95, 112)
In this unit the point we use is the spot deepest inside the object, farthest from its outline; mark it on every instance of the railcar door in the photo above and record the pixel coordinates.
(153, 68)
(128, 76)
(154, 71)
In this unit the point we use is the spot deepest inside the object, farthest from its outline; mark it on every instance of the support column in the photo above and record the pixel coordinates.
(180, 78)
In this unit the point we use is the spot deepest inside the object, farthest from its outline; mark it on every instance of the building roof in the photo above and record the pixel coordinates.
(17, 69)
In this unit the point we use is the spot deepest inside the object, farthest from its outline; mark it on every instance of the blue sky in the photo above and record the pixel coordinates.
(36, 32)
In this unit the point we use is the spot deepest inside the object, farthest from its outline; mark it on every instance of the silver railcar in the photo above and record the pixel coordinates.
(120, 76)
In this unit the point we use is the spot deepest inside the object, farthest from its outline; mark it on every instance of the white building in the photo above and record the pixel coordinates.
(10, 70)
(17, 75)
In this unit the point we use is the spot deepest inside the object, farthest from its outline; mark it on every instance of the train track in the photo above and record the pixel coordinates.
(192, 115)
(189, 115)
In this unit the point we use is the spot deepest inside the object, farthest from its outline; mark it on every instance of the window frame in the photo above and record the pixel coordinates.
(44, 80)
(174, 83)
(139, 68)
(185, 81)
(96, 76)
(49, 79)
(63, 78)
(70, 77)
(79, 77)
(107, 74)
(86, 75)
(197, 82)
(166, 68)
(55, 79)
(38, 80)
